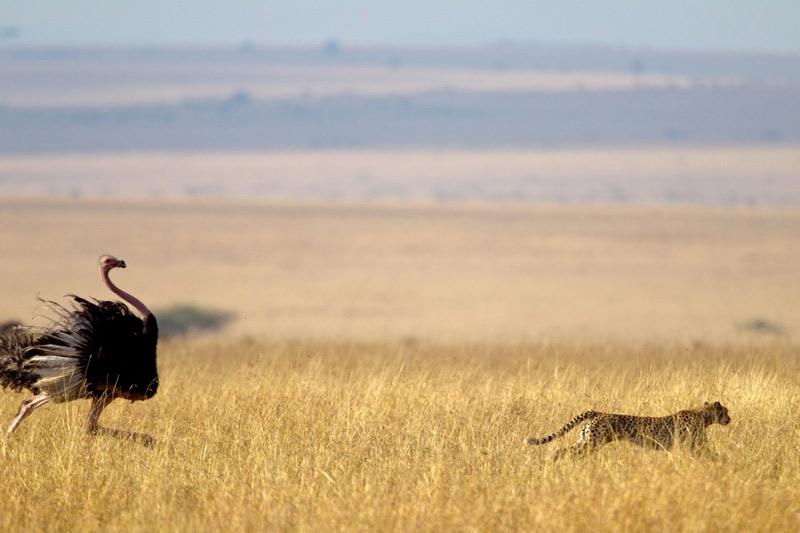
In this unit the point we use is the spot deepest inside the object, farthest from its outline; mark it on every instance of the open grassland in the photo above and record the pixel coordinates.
(332, 436)
(446, 273)
(435, 338)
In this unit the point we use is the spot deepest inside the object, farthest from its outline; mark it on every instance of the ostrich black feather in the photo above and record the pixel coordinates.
(96, 348)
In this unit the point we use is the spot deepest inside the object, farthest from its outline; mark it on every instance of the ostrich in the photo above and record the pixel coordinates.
(7, 325)
(97, 350)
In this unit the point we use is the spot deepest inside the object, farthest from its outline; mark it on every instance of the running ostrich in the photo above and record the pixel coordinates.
(97, 350)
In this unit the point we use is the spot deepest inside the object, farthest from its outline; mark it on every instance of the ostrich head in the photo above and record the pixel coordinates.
(107, 262)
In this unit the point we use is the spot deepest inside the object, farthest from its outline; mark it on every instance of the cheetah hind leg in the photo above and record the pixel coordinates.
(585, 445)
(579, 449)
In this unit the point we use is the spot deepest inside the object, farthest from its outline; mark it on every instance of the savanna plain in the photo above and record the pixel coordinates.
(386, 363)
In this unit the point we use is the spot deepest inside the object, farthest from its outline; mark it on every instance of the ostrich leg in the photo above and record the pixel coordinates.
(27, 407)
(98, 404)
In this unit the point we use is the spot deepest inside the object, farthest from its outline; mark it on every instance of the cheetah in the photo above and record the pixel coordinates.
(660, 432)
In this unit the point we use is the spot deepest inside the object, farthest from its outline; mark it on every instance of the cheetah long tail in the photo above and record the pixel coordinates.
(561, 432)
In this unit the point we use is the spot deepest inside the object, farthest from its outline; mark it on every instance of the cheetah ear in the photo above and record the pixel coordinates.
(717, 404)
(706, 404)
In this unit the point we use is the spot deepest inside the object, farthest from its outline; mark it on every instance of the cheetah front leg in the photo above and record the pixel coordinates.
(703, 451)
(698, 445)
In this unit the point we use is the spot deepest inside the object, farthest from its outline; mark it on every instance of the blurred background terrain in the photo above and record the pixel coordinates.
(264, 178)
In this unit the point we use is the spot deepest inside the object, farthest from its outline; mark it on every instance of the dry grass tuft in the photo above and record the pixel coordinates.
(304, 436)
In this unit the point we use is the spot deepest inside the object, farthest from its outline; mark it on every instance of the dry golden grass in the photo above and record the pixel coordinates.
(642, 307)
(325, 436)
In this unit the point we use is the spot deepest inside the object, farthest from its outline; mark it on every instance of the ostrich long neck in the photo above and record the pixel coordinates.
(135, 302)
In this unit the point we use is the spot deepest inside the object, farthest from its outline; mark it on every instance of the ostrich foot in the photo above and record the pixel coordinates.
(140, 438)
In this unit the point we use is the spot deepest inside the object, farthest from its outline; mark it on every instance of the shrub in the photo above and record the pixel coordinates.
(184, 319)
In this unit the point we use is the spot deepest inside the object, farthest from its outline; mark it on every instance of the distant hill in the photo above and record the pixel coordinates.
(747, 114)
(763, 67)
(333, 96)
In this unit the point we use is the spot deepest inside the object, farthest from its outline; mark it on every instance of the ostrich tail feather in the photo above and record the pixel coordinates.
(58, 358)
(13, 345)
(50, 359)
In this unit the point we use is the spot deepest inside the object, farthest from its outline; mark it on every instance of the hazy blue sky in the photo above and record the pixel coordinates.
(772, 25)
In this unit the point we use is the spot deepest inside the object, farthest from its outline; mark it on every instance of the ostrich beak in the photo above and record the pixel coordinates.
(121, 264)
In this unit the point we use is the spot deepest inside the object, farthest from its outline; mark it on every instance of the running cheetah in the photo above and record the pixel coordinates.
(684, 427)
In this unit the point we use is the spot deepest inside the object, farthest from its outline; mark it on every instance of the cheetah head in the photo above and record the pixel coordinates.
(717, 413)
